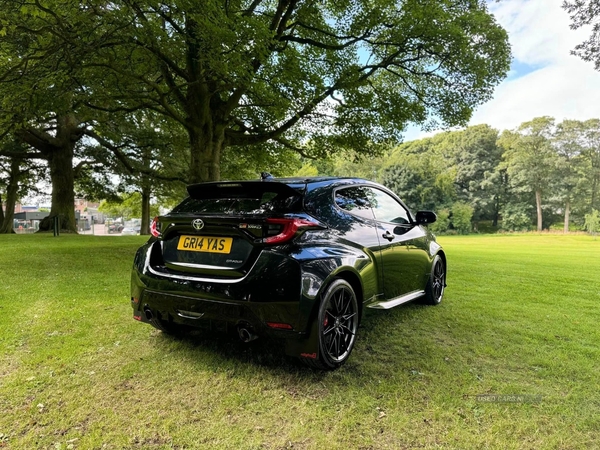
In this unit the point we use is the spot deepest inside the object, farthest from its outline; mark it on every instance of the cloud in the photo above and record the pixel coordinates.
(561, 91)
(538, 30)
(546, 79)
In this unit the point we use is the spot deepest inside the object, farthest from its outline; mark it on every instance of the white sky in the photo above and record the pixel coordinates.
(545, 79)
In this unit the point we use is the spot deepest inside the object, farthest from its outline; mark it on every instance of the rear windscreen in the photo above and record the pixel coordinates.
(266, 203)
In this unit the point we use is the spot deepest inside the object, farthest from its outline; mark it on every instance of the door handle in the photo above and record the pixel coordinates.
(389, 236)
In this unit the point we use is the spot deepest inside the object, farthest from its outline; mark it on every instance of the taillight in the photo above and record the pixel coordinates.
(288, 229)
(155, 227)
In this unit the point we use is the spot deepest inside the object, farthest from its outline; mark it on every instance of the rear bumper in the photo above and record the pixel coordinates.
(269, 300)
(184, 309)
(264, 319)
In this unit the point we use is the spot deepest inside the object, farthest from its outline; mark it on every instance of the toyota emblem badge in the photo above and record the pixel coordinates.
(198, 224)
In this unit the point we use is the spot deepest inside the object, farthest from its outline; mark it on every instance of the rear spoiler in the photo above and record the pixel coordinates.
(243, 189)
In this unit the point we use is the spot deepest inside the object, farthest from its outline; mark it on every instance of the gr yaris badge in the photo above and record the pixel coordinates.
(198, 224)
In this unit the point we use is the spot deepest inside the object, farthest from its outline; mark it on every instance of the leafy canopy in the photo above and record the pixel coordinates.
(333, 73)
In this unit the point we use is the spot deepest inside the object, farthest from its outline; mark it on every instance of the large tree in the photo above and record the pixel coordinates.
(46, 87)
(530, 159)
(18, 178)
(590, 168)
(40, 98)
(567, 142)
(479, 180)
(419, 173)
(242, 73)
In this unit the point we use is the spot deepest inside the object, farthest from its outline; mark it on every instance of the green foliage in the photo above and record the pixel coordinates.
(516, 217)
(419, 178)
(479, 181)
(353, 164)
(442, 223)
(585, 13)
(436, 172)
(129, 207)
(294, 75)
(592, 222)
(183, 91)
(530, 160)
(528, 154)
(495, 176)
(95, 186)
(307, 170)
(457, 219)
(247, 164)
(589, 167)
(461, 216)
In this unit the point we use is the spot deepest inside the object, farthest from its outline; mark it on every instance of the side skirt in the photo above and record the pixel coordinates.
(388, 304)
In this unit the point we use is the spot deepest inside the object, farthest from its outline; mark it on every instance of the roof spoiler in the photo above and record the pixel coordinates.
(240, 189)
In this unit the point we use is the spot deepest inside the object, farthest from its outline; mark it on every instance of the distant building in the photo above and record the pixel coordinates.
(27, 217)
(28, 221)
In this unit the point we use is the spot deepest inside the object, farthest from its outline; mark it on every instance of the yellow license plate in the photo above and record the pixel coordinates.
(208, 244)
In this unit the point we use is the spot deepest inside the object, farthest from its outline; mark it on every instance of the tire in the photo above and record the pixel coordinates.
(338, 320)
(434, 291)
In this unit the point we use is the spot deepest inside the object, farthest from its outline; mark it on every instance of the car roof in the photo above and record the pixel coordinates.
(309, 180)
(289, 185)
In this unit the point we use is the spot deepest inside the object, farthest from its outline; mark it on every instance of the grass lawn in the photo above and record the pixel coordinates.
(509, 360)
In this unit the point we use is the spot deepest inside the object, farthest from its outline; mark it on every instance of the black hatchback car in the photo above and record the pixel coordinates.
(291, 258)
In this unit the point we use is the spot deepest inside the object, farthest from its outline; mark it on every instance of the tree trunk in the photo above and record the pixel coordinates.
(538, 204)
(6, 225)
(58, 149)
(145, 226)
(60, 163)
(1, 210)
(594, 189)
(206, 133)
(146, 191)
(496, 212)
(567, 213)
(206, 146)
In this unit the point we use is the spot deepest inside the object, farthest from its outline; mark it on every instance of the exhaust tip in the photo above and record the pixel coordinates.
(246, 335)
(148, 313)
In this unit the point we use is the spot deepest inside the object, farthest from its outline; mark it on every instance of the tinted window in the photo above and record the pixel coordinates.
(387, 209)
(356, 200)
(268, 202)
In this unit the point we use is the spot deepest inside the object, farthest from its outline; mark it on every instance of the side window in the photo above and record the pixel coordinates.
(356, 200)
(387, 209)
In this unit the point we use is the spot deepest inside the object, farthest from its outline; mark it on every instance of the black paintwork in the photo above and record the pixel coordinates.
(283, 283)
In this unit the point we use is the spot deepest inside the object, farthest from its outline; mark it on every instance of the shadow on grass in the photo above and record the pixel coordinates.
(222, 350)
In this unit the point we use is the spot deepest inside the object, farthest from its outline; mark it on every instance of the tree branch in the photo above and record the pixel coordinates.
(116, 150)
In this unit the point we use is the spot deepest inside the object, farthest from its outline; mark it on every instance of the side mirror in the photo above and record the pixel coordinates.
(425, 217)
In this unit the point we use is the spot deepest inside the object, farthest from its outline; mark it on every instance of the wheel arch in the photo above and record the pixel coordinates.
(442, 255)
(352, 278)
(354, 281)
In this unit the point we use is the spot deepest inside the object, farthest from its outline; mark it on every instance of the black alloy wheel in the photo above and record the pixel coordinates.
(338, 325)
(434, 291)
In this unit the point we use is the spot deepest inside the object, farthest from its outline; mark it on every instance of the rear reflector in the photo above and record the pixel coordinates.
(289, 229)
(280, 326)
